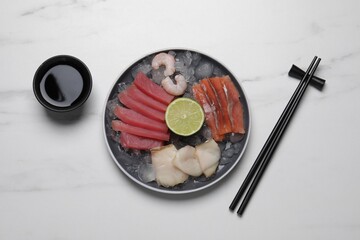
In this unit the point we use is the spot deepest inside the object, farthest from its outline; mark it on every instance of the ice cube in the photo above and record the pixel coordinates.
(184, 57)
(188, 94)
(121, 86)
(195, 59)
(222, 146)
(224, 160)
(204, 69)
(218, 72)
(188, 74)
(228, 145)
(146, 172)
(237, 147)
(157, 75)
(180, 66)
(110, 106)
(141, 67)
(228, 153)
(146, 158)
(115, 136)
(192, 80)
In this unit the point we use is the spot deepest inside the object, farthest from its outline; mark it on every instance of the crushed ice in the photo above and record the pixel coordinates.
(121, 86)
(204, 70)
(157, 75)
(110, 106)
(144, 67)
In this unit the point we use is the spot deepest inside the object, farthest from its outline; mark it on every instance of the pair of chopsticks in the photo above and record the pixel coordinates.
(259, 166)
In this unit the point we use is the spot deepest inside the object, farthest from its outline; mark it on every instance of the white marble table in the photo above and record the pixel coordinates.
(58, 181)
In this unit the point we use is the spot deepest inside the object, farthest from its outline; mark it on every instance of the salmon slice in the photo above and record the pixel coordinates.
(129, 102)
(128, 140)
(223, 102)
(200, 96)
(141, 97)
(214, 104)
(235, 108)
(152, 89)
(138, 120)
(119, 126)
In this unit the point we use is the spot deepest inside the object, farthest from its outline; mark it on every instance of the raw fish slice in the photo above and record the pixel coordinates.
(223, 102)
(187, 161)
(166, 173)
(138, 120)
(209, 114)
(208, 154)
(128, 140)
(214, 104)
(128, 101)
(141, 97)
(119, 126)
(235, 107)
(210, 170)
(152, 89)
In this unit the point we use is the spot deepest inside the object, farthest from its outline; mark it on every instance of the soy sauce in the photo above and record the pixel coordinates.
(61, 85)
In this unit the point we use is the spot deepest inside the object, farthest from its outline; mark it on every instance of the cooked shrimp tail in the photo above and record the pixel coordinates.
(164, 59)
(172, 88)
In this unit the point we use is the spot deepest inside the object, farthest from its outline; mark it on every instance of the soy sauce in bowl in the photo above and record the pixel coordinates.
(62, 83)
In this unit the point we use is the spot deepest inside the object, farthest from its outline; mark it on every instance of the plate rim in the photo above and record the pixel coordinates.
(169, 191)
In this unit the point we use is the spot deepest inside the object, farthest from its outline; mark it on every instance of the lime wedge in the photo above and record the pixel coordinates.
(184, 116)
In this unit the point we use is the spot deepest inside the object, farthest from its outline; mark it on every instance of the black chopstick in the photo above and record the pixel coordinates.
(266, 152)
(267, 143)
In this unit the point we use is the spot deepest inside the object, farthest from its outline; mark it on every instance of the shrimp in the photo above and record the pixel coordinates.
(175, 89)
(164, 59)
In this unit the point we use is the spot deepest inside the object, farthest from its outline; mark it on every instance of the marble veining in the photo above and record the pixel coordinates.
(60, 4)
(58, 181)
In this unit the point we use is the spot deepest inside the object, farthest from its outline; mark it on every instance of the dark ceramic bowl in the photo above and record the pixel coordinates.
(62, 83)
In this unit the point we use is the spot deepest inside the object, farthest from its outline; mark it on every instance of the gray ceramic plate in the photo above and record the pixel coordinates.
(195, 65)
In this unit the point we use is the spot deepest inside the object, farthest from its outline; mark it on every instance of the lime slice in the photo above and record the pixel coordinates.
(184, 116)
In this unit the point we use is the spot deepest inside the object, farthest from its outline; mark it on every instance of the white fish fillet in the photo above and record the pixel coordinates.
(166, 173)
(208, 154)
(187, 161)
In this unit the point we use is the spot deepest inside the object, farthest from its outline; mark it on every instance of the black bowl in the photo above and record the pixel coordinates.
(62, 83)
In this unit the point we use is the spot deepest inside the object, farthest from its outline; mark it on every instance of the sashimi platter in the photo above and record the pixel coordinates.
(176, 121)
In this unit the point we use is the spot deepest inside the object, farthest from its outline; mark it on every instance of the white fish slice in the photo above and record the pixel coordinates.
(187, 161)
(208, 154)
(166, 173)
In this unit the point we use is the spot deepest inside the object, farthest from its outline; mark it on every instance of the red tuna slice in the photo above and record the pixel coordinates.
(138, 120)
(149, 112)
(235, 107)
(200, 96)
(152, 89)
(128, 140)
(119, 126)
(141, 97)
